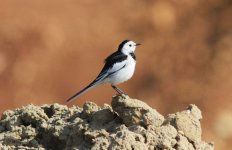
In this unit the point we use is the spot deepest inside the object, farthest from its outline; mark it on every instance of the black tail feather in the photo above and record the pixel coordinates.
(91, 85)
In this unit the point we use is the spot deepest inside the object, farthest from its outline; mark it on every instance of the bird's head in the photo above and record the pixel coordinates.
(127, 47)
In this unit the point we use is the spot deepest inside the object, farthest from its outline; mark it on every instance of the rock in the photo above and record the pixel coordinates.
(136, 112)
(183, 143)
(187, 122)
(126, 139)
(162, 137)
(130, 124)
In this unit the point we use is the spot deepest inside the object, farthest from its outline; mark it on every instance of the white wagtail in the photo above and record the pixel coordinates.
(119, 67)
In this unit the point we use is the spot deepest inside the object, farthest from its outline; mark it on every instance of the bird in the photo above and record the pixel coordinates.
(119, 67)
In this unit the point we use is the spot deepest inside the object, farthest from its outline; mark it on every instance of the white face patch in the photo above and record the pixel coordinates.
(129, 47)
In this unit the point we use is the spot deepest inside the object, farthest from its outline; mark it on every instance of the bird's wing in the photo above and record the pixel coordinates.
(116, 56)
(113, 63)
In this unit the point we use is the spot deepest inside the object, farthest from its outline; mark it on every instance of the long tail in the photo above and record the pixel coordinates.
(91, 85)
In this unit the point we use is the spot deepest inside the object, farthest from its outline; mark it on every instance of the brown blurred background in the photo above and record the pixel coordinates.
(50, 50)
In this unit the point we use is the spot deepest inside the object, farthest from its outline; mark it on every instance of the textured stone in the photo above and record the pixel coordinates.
(136, 112)
(130, 124)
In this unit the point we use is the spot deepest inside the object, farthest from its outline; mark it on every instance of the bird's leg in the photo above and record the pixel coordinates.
(118, 90)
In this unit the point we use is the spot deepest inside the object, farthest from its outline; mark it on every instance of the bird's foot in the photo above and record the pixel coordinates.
(120, 92)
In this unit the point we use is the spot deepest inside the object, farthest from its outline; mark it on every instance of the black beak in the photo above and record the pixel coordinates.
(137, 44)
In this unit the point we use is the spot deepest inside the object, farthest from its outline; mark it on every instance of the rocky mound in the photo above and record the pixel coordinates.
(129, 124)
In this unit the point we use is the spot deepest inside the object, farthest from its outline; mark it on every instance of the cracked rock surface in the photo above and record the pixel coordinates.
(127, 124)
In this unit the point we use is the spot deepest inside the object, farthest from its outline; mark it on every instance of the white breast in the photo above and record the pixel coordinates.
(123, 74)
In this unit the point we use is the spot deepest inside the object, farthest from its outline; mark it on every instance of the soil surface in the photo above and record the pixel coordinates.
(126, 124)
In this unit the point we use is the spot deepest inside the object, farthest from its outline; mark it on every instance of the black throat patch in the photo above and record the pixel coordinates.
(133, 56)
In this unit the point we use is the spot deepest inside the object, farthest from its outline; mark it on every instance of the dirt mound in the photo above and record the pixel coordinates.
(129, 124)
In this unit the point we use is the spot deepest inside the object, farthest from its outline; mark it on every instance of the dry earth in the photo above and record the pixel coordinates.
(127, 124)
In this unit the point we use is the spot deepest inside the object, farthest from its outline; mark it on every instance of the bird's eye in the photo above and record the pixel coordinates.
(130, 45)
